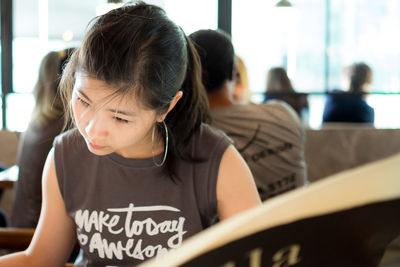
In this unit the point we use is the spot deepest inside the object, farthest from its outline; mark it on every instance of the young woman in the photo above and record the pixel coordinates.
(141, 172)
(280, 87)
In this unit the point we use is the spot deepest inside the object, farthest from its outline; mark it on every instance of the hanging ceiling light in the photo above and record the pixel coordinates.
(283, 3)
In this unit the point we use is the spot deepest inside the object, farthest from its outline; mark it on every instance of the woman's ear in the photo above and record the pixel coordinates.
(172, 104)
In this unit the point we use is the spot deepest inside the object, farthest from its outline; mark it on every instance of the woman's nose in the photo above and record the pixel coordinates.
(96, 127)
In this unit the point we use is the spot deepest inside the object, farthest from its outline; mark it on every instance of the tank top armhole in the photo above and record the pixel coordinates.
(58, 159)
(218, 153)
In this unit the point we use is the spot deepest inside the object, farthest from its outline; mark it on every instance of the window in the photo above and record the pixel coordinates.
(266, 36)
(41, 26)
(314, 40)
(366, 30)
(193, 15)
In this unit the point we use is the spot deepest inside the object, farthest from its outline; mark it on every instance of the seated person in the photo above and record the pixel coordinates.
(351, 106)
(46, 123)
(280, 87)
(269, 136)
(241, 93)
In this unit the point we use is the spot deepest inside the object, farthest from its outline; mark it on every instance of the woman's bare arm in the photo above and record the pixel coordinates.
(54, 236)
(236, 189)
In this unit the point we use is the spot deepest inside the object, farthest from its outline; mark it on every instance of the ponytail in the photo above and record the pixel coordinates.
(190, 111)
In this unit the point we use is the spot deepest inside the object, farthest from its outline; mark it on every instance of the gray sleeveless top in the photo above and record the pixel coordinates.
(126, 210)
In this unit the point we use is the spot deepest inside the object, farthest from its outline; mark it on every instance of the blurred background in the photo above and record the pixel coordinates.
(312, 39)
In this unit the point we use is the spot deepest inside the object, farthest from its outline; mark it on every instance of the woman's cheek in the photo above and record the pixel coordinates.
(76, 111)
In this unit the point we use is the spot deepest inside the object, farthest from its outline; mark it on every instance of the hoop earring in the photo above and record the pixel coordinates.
(166, 145)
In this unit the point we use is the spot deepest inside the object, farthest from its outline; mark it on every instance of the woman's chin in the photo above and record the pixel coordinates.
(99, 151)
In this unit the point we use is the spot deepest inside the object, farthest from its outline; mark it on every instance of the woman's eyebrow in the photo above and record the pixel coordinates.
(123, 112)
(116, 111)
(82, 93)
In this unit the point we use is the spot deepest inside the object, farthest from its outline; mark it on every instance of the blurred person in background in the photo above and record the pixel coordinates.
(350, 106)
(280, 87)
(241, 93)
(46, 123)
(269, 136)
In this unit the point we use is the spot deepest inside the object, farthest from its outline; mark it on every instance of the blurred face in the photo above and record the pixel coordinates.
(368, 81)
(112, 124)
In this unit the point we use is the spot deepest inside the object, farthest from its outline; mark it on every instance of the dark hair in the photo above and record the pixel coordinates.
(139, 50)
(278, 81)
(217, 57)
(48, 104)
(359, 74)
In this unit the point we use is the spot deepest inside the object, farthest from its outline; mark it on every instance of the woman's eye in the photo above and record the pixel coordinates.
(83, 102)
(118, 119)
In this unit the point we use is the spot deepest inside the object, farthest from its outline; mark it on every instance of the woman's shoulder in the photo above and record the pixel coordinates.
(209, 133)
(207, 138)
(69, 138)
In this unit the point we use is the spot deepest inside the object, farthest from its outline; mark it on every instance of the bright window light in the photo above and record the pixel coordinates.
(19, 108)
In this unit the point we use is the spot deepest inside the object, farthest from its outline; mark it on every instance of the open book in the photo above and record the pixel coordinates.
(347, 219)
